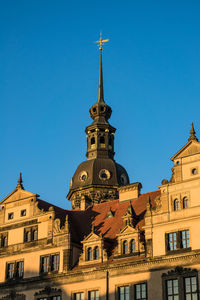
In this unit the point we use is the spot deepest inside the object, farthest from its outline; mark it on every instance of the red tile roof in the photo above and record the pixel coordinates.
(81, 222)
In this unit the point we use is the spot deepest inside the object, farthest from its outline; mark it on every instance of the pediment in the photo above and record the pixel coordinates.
(16, 195)
(91, 237)
(191, 148)
(127, 230)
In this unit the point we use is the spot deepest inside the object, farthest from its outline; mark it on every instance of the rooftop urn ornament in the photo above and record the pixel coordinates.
(192, 134)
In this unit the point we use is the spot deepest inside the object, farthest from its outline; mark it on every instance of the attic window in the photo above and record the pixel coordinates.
(178, 162)
(10, 216)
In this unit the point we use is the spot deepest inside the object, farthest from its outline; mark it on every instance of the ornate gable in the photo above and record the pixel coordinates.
(191, 148)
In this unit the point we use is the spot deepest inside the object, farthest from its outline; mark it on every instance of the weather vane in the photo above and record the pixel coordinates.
(101, 42)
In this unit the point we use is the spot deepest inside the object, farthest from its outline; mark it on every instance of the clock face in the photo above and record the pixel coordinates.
(123, 179)
(104, 174)
(83, 176)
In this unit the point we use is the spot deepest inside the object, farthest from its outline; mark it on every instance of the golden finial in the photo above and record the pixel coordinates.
(101, 42)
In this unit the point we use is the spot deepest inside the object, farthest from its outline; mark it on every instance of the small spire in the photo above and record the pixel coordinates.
(19, 182)
(192, 134)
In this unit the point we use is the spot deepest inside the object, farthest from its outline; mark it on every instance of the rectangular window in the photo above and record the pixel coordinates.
(172, 239)
(185, 239)
(20, 269)
(50, 263)
(172, 289)
(15, 270)
(141, 291)
(79, 296)
(45, 264)
(10, 270)
(124, 292)
(93, 295)
(191, 288)
(55, 262)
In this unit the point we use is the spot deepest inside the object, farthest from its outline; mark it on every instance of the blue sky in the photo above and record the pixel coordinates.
(49, 77)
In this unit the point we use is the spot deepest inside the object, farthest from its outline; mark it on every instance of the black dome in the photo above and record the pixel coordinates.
(99, 171)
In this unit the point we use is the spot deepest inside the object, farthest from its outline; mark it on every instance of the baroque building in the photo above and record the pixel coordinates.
(116, 243)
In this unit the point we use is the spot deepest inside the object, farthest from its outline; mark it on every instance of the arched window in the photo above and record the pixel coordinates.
(92, 140)
(185, 202)
(89, 253)
(132, 246)
(35, 235)
(125, 247)
(102, 140)
(176, 204)
(110, 140)
(96, 252)
(28, 236)
(5, 241)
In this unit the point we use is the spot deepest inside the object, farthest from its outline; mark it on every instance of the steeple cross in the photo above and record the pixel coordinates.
(101, 42)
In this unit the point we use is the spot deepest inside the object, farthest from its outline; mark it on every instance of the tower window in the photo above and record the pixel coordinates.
(92, 141)
(110, 140)
(102, 140)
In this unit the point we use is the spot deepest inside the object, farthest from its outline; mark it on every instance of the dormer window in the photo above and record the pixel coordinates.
(96, 252)
(133, 246)
(176, 204)
(125, 247)
(89, 253)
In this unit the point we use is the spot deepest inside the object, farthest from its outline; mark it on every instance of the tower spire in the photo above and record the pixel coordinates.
(100, 89)
(19, 182)
(101, 42)
(192, 134)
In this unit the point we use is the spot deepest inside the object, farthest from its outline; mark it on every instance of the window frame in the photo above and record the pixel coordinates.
(30, 230)
(132, 289)
(180, 274)
(50, 263)
(179, 241)
(95, 290)
(146, 291)
(15, 271)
